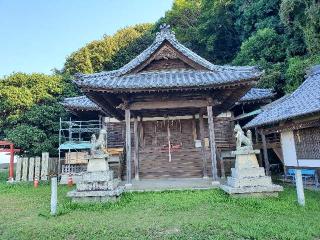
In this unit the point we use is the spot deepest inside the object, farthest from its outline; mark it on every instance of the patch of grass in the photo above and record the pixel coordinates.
(207, 214)
(4, 175)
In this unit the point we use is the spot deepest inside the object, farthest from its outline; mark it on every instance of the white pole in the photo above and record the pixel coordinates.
(54, 195)
(299, 186)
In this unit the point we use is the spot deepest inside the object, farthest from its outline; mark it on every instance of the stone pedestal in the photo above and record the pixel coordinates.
(97, 164)
(248, 178)
(97, 184)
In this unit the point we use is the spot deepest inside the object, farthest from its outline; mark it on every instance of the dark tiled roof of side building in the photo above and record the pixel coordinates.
(303, 101)
(255, 94)
(81, 102)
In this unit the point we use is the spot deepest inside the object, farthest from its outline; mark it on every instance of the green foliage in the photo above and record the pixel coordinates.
(295, 73)
(217, 31)
(30, 111)
(130, 51)
(27, 138)
(36, 130)
(266, 49)
(302, 16)
(252, 15)
(79, 62)
(264, 46)
(183, 18)
(99, 54)
(20, 91)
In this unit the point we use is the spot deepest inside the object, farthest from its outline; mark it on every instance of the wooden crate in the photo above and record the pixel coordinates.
(76, 158)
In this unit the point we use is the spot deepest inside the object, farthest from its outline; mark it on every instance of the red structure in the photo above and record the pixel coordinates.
(6, 146)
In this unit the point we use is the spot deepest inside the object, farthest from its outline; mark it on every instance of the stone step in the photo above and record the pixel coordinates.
(249, 182)
(250, 191)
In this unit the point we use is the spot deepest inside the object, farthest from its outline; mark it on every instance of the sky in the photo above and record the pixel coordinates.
(38, 35)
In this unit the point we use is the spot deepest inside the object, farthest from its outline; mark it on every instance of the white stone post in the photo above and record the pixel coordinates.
(31, 169)
(54, 195)
(299, 186)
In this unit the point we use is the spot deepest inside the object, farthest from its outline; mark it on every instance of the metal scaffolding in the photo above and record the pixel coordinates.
(76, 135)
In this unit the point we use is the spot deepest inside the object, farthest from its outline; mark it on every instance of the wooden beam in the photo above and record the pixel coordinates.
(265, 154)
(203, 150)
(136, 149)
(128, 146)
(110, 107)
(168, 104)
(212, 144)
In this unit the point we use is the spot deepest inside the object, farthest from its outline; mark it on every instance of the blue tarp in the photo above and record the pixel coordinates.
(75, 145)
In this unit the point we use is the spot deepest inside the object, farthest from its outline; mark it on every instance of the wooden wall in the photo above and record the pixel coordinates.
(307, 143)
(116, 134)
(186, 159)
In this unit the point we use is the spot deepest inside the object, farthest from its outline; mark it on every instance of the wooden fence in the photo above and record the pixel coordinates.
(31, 168)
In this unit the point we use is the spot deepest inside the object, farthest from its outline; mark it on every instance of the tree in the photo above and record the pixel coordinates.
(295, 73)
(265, 49)
(130, 51)
(183, 18)
(217, 32)
(20, 91)
(98, 55)
(30, 139)
(252, 15)
(30, 110)
(264, 46)
(302, 17)
(79, 62)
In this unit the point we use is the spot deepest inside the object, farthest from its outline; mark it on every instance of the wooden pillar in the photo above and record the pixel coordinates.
(212, 144)
(136, 149)
(203, 150)
(141, 133)
(265, 154)
(194, 128)
(223, 172)
(257, 141)
(128, 145)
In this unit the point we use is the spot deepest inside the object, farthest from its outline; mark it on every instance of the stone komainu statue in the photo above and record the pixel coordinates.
(241, 138)
(97, 145)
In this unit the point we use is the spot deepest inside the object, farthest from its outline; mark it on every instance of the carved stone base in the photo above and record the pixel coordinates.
(248, 179)
(97, 164)
(97, 187)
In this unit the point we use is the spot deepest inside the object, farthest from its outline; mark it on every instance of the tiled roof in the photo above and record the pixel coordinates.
(81, 102)
(305, 100)
(115, 79)
(172, 79)
(257, 94)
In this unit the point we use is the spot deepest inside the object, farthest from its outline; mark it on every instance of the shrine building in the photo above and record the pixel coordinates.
(176, 109)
